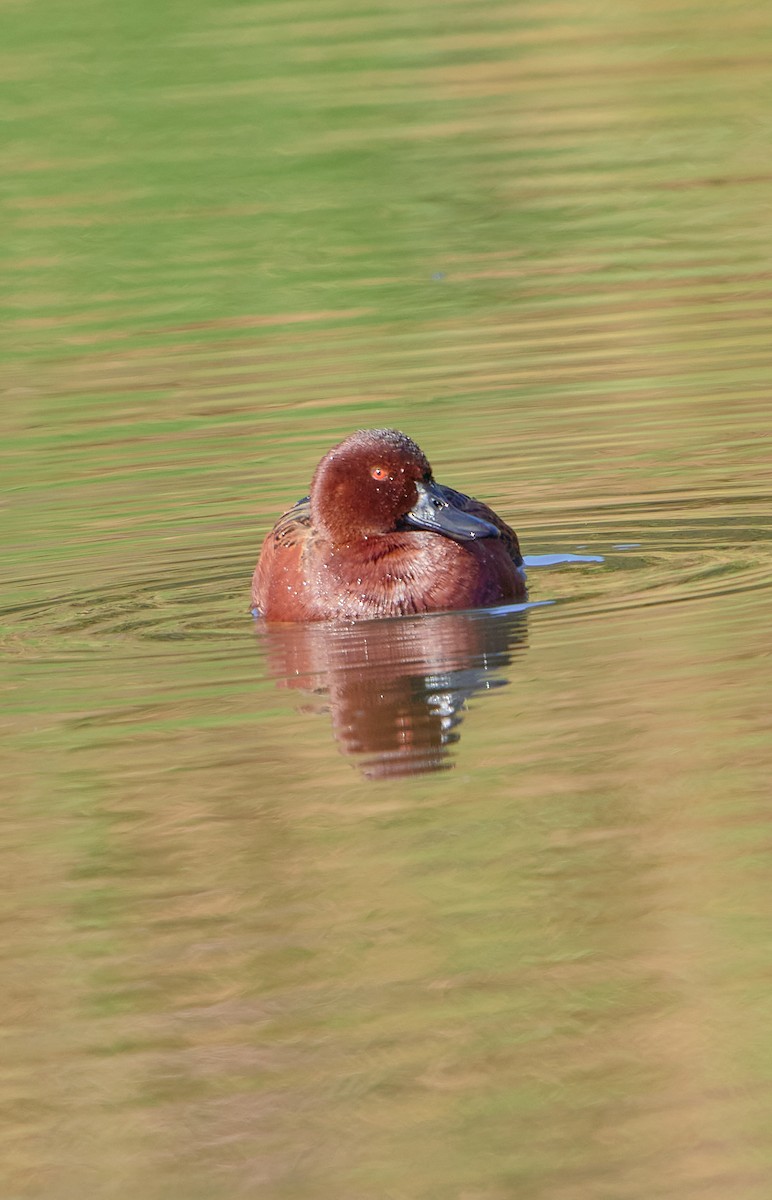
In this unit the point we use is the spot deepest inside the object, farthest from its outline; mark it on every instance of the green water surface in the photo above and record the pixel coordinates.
(462, 908)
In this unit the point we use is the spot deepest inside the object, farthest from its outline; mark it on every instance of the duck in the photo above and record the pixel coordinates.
(377, 537)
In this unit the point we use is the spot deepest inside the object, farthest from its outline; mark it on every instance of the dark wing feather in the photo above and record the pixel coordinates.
(292, 526)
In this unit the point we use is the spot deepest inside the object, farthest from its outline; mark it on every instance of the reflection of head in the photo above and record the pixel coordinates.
(396, 688)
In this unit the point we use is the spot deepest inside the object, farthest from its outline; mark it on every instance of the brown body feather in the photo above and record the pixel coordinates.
(301, 576)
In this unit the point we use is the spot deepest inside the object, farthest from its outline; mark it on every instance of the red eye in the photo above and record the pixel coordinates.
(378, 472)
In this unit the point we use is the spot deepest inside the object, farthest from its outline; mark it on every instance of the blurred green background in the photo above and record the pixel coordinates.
(538, 237)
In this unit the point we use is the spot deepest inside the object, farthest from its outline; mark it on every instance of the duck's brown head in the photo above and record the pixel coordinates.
(379, 481)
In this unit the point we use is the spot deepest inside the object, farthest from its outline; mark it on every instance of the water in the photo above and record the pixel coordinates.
(473, 905)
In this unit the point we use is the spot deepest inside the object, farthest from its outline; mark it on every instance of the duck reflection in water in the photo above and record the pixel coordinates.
(396, 689)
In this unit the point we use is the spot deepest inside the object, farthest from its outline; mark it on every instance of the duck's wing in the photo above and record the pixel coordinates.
(281, 557)
(479, 509)
(292, 526)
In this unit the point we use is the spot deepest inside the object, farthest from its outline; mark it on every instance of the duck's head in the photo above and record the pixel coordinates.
(378, 481)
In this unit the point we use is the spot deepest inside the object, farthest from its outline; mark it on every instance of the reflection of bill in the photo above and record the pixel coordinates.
(397, 688)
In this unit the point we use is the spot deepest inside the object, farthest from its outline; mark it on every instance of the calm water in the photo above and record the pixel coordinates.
(473, 906)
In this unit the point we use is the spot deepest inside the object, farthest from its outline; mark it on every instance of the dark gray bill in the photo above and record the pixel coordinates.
(434, 511)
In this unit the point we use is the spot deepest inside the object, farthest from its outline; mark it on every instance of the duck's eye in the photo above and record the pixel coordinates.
(379, 473)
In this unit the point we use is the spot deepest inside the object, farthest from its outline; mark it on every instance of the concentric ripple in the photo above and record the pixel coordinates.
(630, 555)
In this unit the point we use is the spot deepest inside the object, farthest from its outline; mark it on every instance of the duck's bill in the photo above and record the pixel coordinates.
(435, 512)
